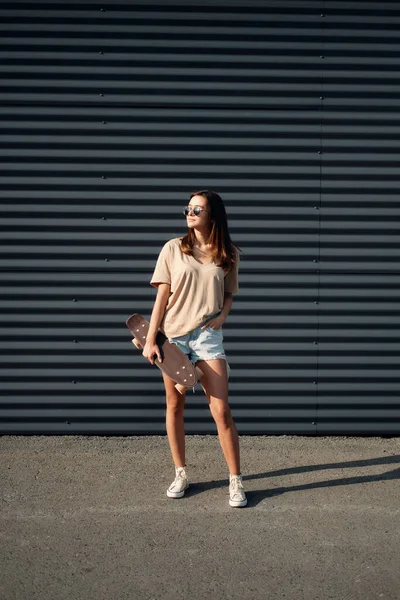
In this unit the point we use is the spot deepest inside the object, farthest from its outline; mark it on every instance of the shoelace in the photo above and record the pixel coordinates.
(236, 485)
(180, 475)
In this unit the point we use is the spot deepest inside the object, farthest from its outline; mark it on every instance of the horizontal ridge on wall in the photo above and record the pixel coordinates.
(110, 118)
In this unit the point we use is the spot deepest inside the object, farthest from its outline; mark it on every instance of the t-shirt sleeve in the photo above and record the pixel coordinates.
(162, 271)
(232, 277)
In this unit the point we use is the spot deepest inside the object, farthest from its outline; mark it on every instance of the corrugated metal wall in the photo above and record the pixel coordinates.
(110, 115)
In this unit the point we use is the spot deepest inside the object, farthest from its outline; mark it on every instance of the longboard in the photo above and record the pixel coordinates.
(175, 363)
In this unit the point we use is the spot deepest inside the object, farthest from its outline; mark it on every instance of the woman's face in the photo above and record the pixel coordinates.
(200, 221)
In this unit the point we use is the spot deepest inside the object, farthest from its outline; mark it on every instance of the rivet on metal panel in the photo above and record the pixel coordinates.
(74, 300)
(103, 177)
(106, 260)
(75, 341)
(316, 207)
(313, 423)
(73, 381)
(315, 260)
(322, 97)
(104, 122)
(101, 95)
(315, 343)
(103, 218)
(101, 52)
(321, 56)
(314, 382)
(319, 151)
(316, 302)
(322, 15)
(102, 10)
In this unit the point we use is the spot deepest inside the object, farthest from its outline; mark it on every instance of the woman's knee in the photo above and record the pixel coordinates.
(221, 413)
(175, 402)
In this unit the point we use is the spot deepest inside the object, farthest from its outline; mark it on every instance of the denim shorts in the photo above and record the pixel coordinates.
(202, 344)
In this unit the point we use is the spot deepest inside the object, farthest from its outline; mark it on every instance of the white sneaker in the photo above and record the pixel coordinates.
(237, 497)
(179, 485)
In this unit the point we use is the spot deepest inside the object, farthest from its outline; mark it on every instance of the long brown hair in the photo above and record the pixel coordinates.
(222, 248)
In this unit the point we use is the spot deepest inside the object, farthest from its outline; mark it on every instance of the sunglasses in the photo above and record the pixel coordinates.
(196, 210)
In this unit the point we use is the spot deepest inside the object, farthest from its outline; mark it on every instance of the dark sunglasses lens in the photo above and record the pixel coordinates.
(196, 211)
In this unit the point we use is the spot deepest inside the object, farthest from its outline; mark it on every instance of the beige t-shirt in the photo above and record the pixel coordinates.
(197, 290)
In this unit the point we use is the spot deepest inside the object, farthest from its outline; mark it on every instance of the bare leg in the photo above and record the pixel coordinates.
(175, 421)
(229, 440)
(215, 386)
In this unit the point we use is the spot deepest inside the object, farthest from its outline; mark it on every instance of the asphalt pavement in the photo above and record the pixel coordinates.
(87, 517)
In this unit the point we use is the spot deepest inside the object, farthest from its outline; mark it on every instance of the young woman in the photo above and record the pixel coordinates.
(195, 278)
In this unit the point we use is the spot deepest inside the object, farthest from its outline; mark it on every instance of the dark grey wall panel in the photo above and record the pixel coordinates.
(109, 119)
(359, 285)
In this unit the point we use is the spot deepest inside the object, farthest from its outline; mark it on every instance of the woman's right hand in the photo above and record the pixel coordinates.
(150, 349)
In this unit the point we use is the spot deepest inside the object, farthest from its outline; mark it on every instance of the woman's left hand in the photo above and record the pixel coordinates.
(214, 323)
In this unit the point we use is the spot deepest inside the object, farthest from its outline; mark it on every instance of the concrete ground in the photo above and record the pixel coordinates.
(88, 518)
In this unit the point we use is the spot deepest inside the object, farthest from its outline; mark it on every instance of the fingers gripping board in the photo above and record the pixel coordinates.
(175, 363)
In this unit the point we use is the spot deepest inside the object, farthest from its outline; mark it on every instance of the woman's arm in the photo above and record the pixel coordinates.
(227, 305)
(163, 293)
(150, 348)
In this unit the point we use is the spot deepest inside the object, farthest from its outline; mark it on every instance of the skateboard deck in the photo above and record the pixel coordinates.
(175, 363)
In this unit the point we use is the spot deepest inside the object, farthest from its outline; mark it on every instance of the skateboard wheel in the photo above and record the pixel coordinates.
(181, 388)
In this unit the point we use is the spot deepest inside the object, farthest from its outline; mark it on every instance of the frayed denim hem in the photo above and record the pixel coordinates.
(228, 369)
